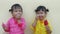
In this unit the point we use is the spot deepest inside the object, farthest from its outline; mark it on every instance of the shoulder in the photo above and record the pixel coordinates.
(23, 20)
(10, 19)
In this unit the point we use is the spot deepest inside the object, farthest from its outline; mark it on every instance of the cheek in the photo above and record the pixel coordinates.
(20, 13)
(42, 15)
(14, 14)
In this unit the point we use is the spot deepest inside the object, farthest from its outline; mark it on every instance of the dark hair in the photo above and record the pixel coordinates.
(14, 7)
(43, 8)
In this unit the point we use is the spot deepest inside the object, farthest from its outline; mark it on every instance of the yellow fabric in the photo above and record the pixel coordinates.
(40, 28)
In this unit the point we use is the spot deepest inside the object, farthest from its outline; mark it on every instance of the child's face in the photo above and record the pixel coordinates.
(17, 13)
(41, 14)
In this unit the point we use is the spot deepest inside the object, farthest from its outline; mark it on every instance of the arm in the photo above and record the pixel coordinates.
(48, 29)
(6, 27)
(34, 24)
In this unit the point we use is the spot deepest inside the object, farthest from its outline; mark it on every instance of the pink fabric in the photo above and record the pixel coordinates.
(13, 28)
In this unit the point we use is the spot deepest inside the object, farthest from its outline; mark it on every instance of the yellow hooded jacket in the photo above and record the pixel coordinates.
(40, 27)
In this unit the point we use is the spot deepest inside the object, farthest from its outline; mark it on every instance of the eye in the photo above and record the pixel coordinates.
(15, 11)
(20, 11)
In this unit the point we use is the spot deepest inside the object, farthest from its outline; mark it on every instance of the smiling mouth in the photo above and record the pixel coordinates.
(41, 16)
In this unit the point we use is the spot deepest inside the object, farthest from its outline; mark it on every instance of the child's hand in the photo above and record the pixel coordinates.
(6, 29)
(4, 26)
(35, 21)
(37, 17)
(48, 30)
(34, 24)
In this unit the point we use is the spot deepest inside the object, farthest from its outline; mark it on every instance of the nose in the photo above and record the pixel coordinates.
(41, 12)
(18, 12)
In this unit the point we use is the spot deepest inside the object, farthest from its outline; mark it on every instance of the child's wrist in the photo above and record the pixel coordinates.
(49, 32)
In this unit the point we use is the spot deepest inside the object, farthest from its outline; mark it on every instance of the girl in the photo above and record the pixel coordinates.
(41, 25)
(16, 24)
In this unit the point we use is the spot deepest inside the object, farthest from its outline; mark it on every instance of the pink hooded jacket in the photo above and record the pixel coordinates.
(14, 28)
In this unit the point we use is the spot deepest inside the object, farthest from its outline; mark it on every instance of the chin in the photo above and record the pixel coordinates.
(41, 18)
(18, 17)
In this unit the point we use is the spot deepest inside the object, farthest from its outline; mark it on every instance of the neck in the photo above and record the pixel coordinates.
(41, 19)
(16, 18)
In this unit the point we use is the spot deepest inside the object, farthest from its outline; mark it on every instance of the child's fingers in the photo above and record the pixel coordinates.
(3, 25)
(49, 32)
(37, 17)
